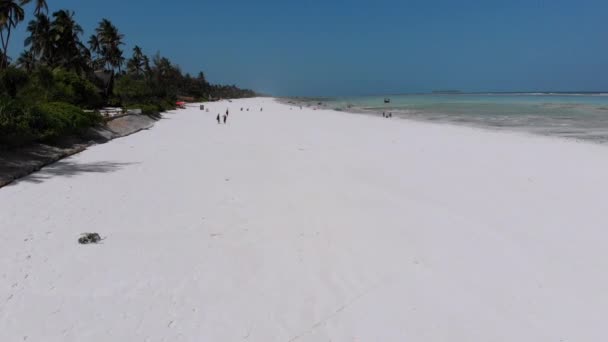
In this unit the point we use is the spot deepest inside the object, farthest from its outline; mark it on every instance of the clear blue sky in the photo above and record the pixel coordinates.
(367, 47)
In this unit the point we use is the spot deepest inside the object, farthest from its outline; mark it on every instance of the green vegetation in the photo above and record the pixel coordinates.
(17, 125)
(43, 93)
(61, 119)
(21, 124)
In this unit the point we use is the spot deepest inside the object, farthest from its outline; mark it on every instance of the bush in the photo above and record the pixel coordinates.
(20, 124)
(114, 101)
(40, 87)
(12, 80)
(166, 105)
(148, 109)
(69, 87)
(62, 119)
(153, 107)
(17, 125)
(132, 91)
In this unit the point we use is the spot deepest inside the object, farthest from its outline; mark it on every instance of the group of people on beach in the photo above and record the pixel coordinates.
(225, 117)
(261, 109)
(385, 115)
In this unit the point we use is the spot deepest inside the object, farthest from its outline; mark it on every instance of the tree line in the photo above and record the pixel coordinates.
(59, 71)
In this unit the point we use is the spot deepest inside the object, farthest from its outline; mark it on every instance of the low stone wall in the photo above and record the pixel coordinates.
(18, 163)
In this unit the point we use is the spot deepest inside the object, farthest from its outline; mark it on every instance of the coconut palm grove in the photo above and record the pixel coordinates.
(55, 87)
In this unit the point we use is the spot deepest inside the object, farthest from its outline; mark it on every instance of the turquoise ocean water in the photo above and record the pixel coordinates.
(571, 115)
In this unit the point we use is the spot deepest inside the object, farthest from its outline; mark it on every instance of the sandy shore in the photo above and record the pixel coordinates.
(302, 225)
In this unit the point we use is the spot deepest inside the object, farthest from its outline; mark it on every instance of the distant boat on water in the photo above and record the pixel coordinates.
(387, 100)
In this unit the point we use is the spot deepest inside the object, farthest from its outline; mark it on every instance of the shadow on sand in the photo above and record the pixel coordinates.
(70, 169)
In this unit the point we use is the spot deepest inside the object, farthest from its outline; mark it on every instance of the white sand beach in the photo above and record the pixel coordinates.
(309, 225)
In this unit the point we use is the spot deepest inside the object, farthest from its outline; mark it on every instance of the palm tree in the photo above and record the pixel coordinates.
(11, 14)
(137, 64)
(68, 49)
(202, 80)
(40, 6)
(94, 44)
(95, 50)
(40, 40)
(147, 68)
(3, 57)
(109, 42)
(162, 67)
(27, 61)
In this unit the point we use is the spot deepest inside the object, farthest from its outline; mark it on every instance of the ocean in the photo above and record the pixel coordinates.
(571, 115)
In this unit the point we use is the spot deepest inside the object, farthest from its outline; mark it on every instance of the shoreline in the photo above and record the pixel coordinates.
(567, 133)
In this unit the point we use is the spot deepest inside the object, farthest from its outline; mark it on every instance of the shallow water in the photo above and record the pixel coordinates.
(571, 115)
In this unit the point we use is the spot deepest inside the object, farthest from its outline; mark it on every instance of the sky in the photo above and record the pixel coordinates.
(349, 48)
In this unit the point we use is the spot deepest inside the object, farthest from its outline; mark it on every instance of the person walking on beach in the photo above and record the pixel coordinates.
(218, 118)
(225, 117)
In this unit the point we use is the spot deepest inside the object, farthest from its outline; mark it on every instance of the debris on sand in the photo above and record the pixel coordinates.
(87, 238)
